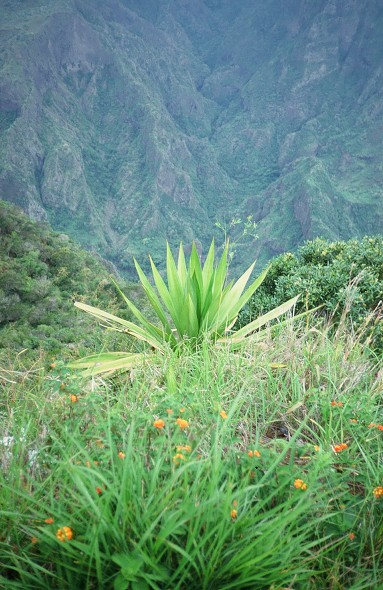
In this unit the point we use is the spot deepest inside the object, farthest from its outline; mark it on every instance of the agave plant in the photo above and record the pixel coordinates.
(196, 302)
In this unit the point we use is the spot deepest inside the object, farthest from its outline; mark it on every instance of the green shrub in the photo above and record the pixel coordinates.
(333, 274)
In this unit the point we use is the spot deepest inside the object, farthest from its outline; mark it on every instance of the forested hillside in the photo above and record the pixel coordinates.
(126, 122)
(42, 272)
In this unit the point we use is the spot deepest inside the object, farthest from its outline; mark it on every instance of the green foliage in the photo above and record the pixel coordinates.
(41, 272)
(337, 275)
(197, 299)
(218, 503)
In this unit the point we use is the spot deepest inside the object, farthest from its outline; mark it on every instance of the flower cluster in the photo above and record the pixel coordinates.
(182, 423)
(299, 484)
(178, 457)
(378, 492)
(64, 534)
(378, 426)
(339, 448)
(160, 424)
(254, 453)
(186, 448)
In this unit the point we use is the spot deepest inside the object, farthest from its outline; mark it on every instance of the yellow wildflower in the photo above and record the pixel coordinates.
(64, 534)
(158, 424)
(339, 448)
(186, 448)
(299, 484)
(182, 423)
(178, 457)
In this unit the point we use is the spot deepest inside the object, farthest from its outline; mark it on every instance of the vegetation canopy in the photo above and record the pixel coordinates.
(197, 302)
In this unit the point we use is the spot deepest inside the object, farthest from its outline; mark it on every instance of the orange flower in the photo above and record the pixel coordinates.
(186, 448)
(254, 453)
(64, 534)
(372, 425)
(49, 520)
(316, 448)
(354, 421)
(73, 398)
(121, 455)
(169, 411)
(339, 448)
(233, 513)
(34, 540)
(380, 427)
(99, 490)
(182, 423)
(182, 410)
(351, 536)
(223, 414)
(299, 484)
(378, 492)
(178, 457)
(158, 424)
(339, 404)
(235, 503)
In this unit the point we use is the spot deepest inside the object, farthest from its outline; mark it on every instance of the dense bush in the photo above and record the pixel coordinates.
(332, 274)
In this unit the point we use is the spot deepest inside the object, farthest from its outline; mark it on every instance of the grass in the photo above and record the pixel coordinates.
(249, 489)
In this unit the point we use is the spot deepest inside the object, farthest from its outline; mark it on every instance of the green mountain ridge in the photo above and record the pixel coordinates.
(126, 123)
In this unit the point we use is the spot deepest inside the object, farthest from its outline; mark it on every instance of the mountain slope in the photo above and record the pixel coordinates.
(42, 273)
(127, 122)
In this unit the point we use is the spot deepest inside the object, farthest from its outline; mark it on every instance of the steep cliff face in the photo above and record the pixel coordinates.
(127, 122)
